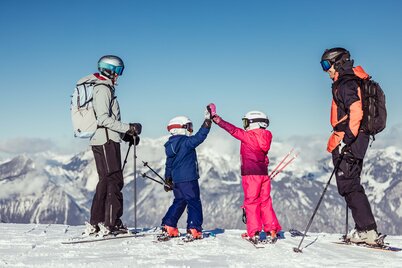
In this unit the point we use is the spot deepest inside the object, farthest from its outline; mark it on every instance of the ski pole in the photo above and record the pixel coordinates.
(135, 189)
(298, 250)
(286, 156)
(125, 159)
(162, 183)
(283, 167)
(148, 177)
(347, 221)
(156, 173)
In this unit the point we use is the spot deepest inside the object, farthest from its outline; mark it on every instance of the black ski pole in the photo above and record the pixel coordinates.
(156, 173)
(298, 250)
(135, 189)
(148, 177)
(125, 159)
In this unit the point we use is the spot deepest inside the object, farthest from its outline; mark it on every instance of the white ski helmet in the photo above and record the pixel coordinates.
(180, 125)
(254, 120)
(110, 65)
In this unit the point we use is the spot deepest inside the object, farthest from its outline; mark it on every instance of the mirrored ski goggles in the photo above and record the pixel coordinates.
(188, 126)
(116, 69)
(247, 122)
(326, 65)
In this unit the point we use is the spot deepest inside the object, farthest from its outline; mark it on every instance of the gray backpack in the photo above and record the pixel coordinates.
(82, 112)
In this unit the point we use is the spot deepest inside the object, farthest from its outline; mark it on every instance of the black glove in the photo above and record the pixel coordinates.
(135, 129)
(169, 185)
(207, 123)
(130, 139)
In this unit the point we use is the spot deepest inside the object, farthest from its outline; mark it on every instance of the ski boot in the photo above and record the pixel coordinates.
(272, 237)
(104, 230)
(168, 232)
(192, 234)
(255, 239)
(90, 230)
(195, 233)
(120, 228)
(369, 237)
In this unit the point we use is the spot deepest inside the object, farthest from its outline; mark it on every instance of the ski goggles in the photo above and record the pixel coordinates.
(326, 65)
(116, 69)
(188, 126)
(247, 122)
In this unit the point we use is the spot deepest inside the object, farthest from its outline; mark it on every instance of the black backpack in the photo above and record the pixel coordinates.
(374, 110)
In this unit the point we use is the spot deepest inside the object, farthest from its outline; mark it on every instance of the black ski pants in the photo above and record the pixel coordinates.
(107, 204)
(349, 186)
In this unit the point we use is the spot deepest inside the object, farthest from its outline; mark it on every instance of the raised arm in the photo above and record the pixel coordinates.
(236, 132)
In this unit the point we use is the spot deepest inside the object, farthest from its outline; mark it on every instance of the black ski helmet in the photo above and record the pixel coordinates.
(336, 55)
(110, 65)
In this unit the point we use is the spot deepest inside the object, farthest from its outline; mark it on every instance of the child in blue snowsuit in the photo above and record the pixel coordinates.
(182, 171)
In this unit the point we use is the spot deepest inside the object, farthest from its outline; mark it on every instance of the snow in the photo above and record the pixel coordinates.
(39, 245)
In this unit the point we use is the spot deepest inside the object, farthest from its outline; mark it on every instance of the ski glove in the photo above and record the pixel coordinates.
(217, 119)
(135, 129)
(169, 185)
(207, 115)
(130, 139)
(207, 123)
(212, 110)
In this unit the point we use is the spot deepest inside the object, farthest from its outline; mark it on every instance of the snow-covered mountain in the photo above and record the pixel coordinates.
(51, 188)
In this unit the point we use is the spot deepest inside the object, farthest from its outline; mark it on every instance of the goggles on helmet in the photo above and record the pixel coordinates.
(116, 69)
(188, 126)
(326, 65)
(247, 122)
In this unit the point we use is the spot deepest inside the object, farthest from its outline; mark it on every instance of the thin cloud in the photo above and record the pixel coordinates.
(26, 145)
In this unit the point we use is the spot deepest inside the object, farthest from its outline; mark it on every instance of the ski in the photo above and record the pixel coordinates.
(256, 245)
(259, 244)
(380, 246)
(164, 238)
(91, 239)
(269, 240)
(185, 239)
(375, 247)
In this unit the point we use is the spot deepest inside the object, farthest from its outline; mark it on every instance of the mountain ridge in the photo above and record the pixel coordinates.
(51, 188)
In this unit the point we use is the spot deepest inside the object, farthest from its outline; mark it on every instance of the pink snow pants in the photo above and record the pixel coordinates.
(258, 204)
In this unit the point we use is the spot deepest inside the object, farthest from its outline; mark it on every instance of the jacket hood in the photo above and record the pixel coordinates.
(172, 145)
(263, 138)
(97, 78)
(348, 69)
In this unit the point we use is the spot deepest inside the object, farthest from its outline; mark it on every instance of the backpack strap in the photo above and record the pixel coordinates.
(110, 106)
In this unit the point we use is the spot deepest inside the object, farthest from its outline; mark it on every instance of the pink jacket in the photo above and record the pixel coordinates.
(254, 148)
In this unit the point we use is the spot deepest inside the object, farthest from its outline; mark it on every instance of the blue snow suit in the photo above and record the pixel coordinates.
(182, 168)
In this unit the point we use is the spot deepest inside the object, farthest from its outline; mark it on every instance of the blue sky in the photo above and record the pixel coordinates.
(181, 55)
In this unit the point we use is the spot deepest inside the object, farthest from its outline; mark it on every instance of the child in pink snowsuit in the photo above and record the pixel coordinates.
(255, 144)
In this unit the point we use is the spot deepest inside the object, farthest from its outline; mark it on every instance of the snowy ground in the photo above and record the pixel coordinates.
(31, 245)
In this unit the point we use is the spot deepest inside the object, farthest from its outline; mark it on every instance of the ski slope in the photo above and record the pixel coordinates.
(39, 245)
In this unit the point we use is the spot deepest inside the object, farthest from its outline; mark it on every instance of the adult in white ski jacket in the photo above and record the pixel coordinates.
(107, 204)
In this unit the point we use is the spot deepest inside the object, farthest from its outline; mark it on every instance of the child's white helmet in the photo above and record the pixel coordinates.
(180, 125)
(254, 120)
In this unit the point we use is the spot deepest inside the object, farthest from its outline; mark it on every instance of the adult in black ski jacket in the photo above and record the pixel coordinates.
(349, 139)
